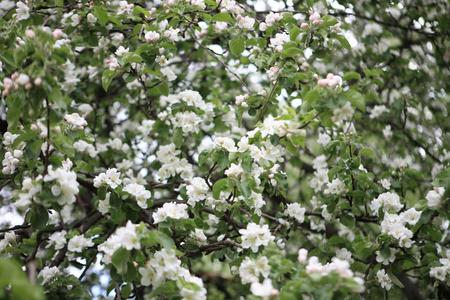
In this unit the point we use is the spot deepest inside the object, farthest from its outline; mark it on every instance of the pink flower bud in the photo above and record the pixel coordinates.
(57, 33)
(38, 81)
(323, 82)
(34, 127)
(302, 255)
(304, 25)
(29, 33)
(314, 17)
(6, 170)
(28, 85)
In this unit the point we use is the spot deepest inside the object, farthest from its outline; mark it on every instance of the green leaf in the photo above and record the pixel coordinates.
(291, 52)
(86, 136)
(336, 240)
(131, 57)
(385, 251)
(299, 140)
(293, 34)
(162, 239)
(343, 41)
(351, 75)
(287, 116)
(202, 157)
(219, 186)
(222, 17)
(39, 217)
(247, 161)
(312, 95)
(101, 192)
(126, 290)
(223, 159)
(120, 260)
(33, 150)
(356, 99)
(237, 45)
(14, 279)
(395, 279)
(178, 137)
(107, 78)
(244, 188)
(348, 220)
(367, 152)
(140, 10)
(100, 13)
(115, 201)
(329, 20)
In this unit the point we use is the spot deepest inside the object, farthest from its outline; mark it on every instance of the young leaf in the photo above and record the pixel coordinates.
(237, 45)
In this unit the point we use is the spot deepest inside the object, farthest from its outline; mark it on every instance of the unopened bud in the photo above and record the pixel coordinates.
(38, 81)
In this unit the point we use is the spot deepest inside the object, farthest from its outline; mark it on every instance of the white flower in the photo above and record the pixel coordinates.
(439, 272)
(344, 254)
(151, 36)
(388, 200)
(264, 290)
(344, 113)
(57, 240)
(384, 279)
(250, 270)
(22, 11)
(75, 20)
(91, 19)
(434, 197)
(127, 236)
(320, 162)
(411, 216)
(255, 236)
(125, 8)
(372, 29)
(112, 178)
(245, 22)
(377, 111)
(78, 243)
(48, 274)
(170, 210)
(324, 139)
(336, 187)
(386, 261)
(302, 255)
(386, 184)
(75, 121)
(294, 210)
(121, 51)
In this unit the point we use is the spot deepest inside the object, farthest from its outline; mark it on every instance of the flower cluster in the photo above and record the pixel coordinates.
(342, 267)
(170, 210)
(139, 192)
(171, 164)
(164, 265)
(64, 184)
(294, 210)
(389, 201)
(442, 271)
(125, 237)
(255, 236)
(250, 270)
(111, 178)
(394, 225)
